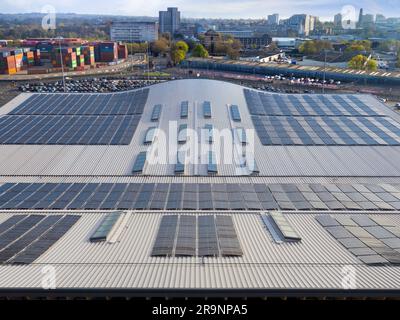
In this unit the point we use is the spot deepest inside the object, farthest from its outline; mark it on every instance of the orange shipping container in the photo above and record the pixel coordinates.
(18, 60)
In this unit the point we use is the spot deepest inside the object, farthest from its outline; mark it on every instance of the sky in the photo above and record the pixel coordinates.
(205, 8)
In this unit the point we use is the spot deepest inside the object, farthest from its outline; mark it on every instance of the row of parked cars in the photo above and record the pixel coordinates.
(96, 85)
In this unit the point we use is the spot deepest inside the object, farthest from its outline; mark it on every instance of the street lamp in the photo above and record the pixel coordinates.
(62, 63)
(324, 77)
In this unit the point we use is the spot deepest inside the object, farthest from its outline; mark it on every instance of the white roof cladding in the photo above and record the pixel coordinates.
(278, 161)
(265, 265)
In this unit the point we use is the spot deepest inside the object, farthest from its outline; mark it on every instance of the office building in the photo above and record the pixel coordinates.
(303, 24)
(273, 19)
(130, 31)
(337, 20)
(169, 21)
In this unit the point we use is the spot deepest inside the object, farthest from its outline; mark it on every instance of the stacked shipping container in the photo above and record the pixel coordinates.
(74, 57)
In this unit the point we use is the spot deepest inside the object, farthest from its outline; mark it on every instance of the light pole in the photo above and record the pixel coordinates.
(324, 77)
(62, 63)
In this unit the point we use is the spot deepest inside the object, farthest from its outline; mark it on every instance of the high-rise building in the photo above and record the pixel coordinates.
(169, 21)
(273, 19)
(134, 31)
(360, 17)
(337, 20)
(303, 24)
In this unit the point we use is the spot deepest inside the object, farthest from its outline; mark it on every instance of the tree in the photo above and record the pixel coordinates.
(177, 56)
(181, 45)
(160, 46)
(137, 47)
(359, 45)
(398, 59)
(315, 47)
(361, 62)
(200, 51)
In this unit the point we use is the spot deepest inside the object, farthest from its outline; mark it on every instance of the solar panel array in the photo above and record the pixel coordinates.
(74, 119)
(204, 196)
(319, 120)
(265, 104)
(68, 130)
(214, 235)
(24, 238)
(126, 103)
(289, 130)
(375, 241)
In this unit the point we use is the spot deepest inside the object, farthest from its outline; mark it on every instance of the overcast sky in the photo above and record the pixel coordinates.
(205, 8)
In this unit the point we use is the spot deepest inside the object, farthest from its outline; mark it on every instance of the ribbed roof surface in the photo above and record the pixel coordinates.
(371, 161)
(317, 262)
(265, 264)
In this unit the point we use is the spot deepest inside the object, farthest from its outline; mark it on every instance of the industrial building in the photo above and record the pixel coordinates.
(134, 31)
(305, 202)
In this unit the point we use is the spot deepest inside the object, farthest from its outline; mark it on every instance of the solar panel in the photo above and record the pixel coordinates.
(207, 241)
(184, 109)
(29, 237)
(155, 116)
(37, 248)
(164, 242)
(318, 122)
(139, 162)
(109, 196)
(103, 231)
(186, 236)
(235, 114)
(84, 104)
(69, 129)
(227, 238)
(18, 230)
(10, 222)
(207, 109)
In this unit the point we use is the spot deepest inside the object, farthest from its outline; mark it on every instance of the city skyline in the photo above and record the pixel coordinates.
(207, 9)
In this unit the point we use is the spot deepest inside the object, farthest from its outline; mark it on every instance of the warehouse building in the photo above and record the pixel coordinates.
(199, 188)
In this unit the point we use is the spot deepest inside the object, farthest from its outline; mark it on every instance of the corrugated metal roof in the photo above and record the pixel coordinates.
(271, 160)
(316, 262)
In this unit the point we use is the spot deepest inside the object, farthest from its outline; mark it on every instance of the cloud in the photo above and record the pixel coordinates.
(205, 8)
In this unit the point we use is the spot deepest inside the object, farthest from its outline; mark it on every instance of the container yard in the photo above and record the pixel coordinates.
(41, 56)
